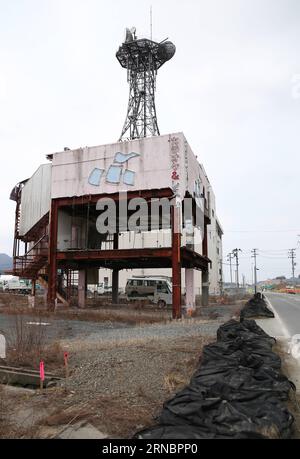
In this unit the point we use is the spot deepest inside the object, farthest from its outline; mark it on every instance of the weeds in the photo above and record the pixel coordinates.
(174, 381)
(27, 345)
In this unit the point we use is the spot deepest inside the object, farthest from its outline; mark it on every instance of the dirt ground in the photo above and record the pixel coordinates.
(121, 371)
(118, 390)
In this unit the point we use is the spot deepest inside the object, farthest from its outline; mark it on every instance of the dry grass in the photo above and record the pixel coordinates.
(2, 411)
(109, 414)
(68, 416)
(174, 381)
(130, 317)
(51, 355)
(7, 430)
(125, 315)
(27, 346)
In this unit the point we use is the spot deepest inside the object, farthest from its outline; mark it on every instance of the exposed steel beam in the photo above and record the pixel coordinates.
(94, 198)
(120, 254)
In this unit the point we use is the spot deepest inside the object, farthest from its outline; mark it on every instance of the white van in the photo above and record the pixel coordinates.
(156, 288)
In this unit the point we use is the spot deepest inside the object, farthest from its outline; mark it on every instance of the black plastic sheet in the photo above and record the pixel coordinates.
(256, 307)
(247, 329)
(236, 392)
(268, 417)
(183, 432)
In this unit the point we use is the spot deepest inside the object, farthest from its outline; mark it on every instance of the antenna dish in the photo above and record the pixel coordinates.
(130, 34)
(166, 50)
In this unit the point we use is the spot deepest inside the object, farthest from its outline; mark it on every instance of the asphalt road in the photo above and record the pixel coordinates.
(287, 308)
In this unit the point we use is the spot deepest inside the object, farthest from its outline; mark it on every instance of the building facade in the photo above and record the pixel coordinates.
(81, 212)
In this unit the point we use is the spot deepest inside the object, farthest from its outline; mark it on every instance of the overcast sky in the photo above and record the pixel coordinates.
(231, 88)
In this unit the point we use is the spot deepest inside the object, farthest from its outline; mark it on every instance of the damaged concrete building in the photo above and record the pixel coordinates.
(60, 209)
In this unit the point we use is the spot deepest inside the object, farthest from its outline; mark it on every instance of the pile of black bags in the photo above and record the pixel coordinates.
(237, 391)
(256, 307)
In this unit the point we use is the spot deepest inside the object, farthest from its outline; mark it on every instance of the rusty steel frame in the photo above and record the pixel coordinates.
(176, 268)
(176, 256)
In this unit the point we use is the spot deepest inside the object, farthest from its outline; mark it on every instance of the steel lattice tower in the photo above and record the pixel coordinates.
(142, 58)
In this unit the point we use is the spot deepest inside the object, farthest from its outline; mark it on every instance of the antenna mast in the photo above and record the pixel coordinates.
(142, 58)
(151, 22)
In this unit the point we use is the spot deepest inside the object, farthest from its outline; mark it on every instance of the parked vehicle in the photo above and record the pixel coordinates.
(103, 289)
(163, 295)
(156, 288)
(16, 285)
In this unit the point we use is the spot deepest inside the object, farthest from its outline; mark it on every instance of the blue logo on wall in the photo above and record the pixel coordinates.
(116, 173)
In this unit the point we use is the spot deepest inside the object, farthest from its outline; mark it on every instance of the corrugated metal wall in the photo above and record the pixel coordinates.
(36, 198)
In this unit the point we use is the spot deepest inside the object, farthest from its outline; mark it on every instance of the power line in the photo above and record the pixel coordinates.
(274, 257)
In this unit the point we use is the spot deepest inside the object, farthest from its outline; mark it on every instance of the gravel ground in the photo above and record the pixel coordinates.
(57, 329)
(126, 335)
(135, 356)
(120, 375)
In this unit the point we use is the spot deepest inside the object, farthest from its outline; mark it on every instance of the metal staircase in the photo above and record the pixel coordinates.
(29, 265)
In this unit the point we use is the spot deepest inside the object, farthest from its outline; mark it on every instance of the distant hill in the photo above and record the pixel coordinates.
(6, 262)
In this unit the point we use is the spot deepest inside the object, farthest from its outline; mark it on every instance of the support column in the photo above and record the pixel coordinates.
(204, 242)
(190, 298)
(176, 261)
(205, 288)
(115, 274)
(82, 288)
(31, 297)
(33, 287)
(52, 266)
(205, 274)
(115, 286)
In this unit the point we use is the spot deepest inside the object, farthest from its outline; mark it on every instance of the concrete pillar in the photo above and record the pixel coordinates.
(33, 287)
(82, 288)
(115, 274)
(190, 299)
(205, 288)
(31, 297)
(115, 286)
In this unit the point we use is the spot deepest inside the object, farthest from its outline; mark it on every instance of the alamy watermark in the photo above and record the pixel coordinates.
(138, 214)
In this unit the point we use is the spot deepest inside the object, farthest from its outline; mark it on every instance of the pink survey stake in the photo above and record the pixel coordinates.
(42, 371)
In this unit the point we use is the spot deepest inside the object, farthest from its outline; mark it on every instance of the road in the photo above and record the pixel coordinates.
(287, 308)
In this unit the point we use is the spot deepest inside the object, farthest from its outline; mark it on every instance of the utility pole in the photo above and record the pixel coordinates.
(292, 255)
(235, 253)
(254, 255)
(229, 258)
(221, 277)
